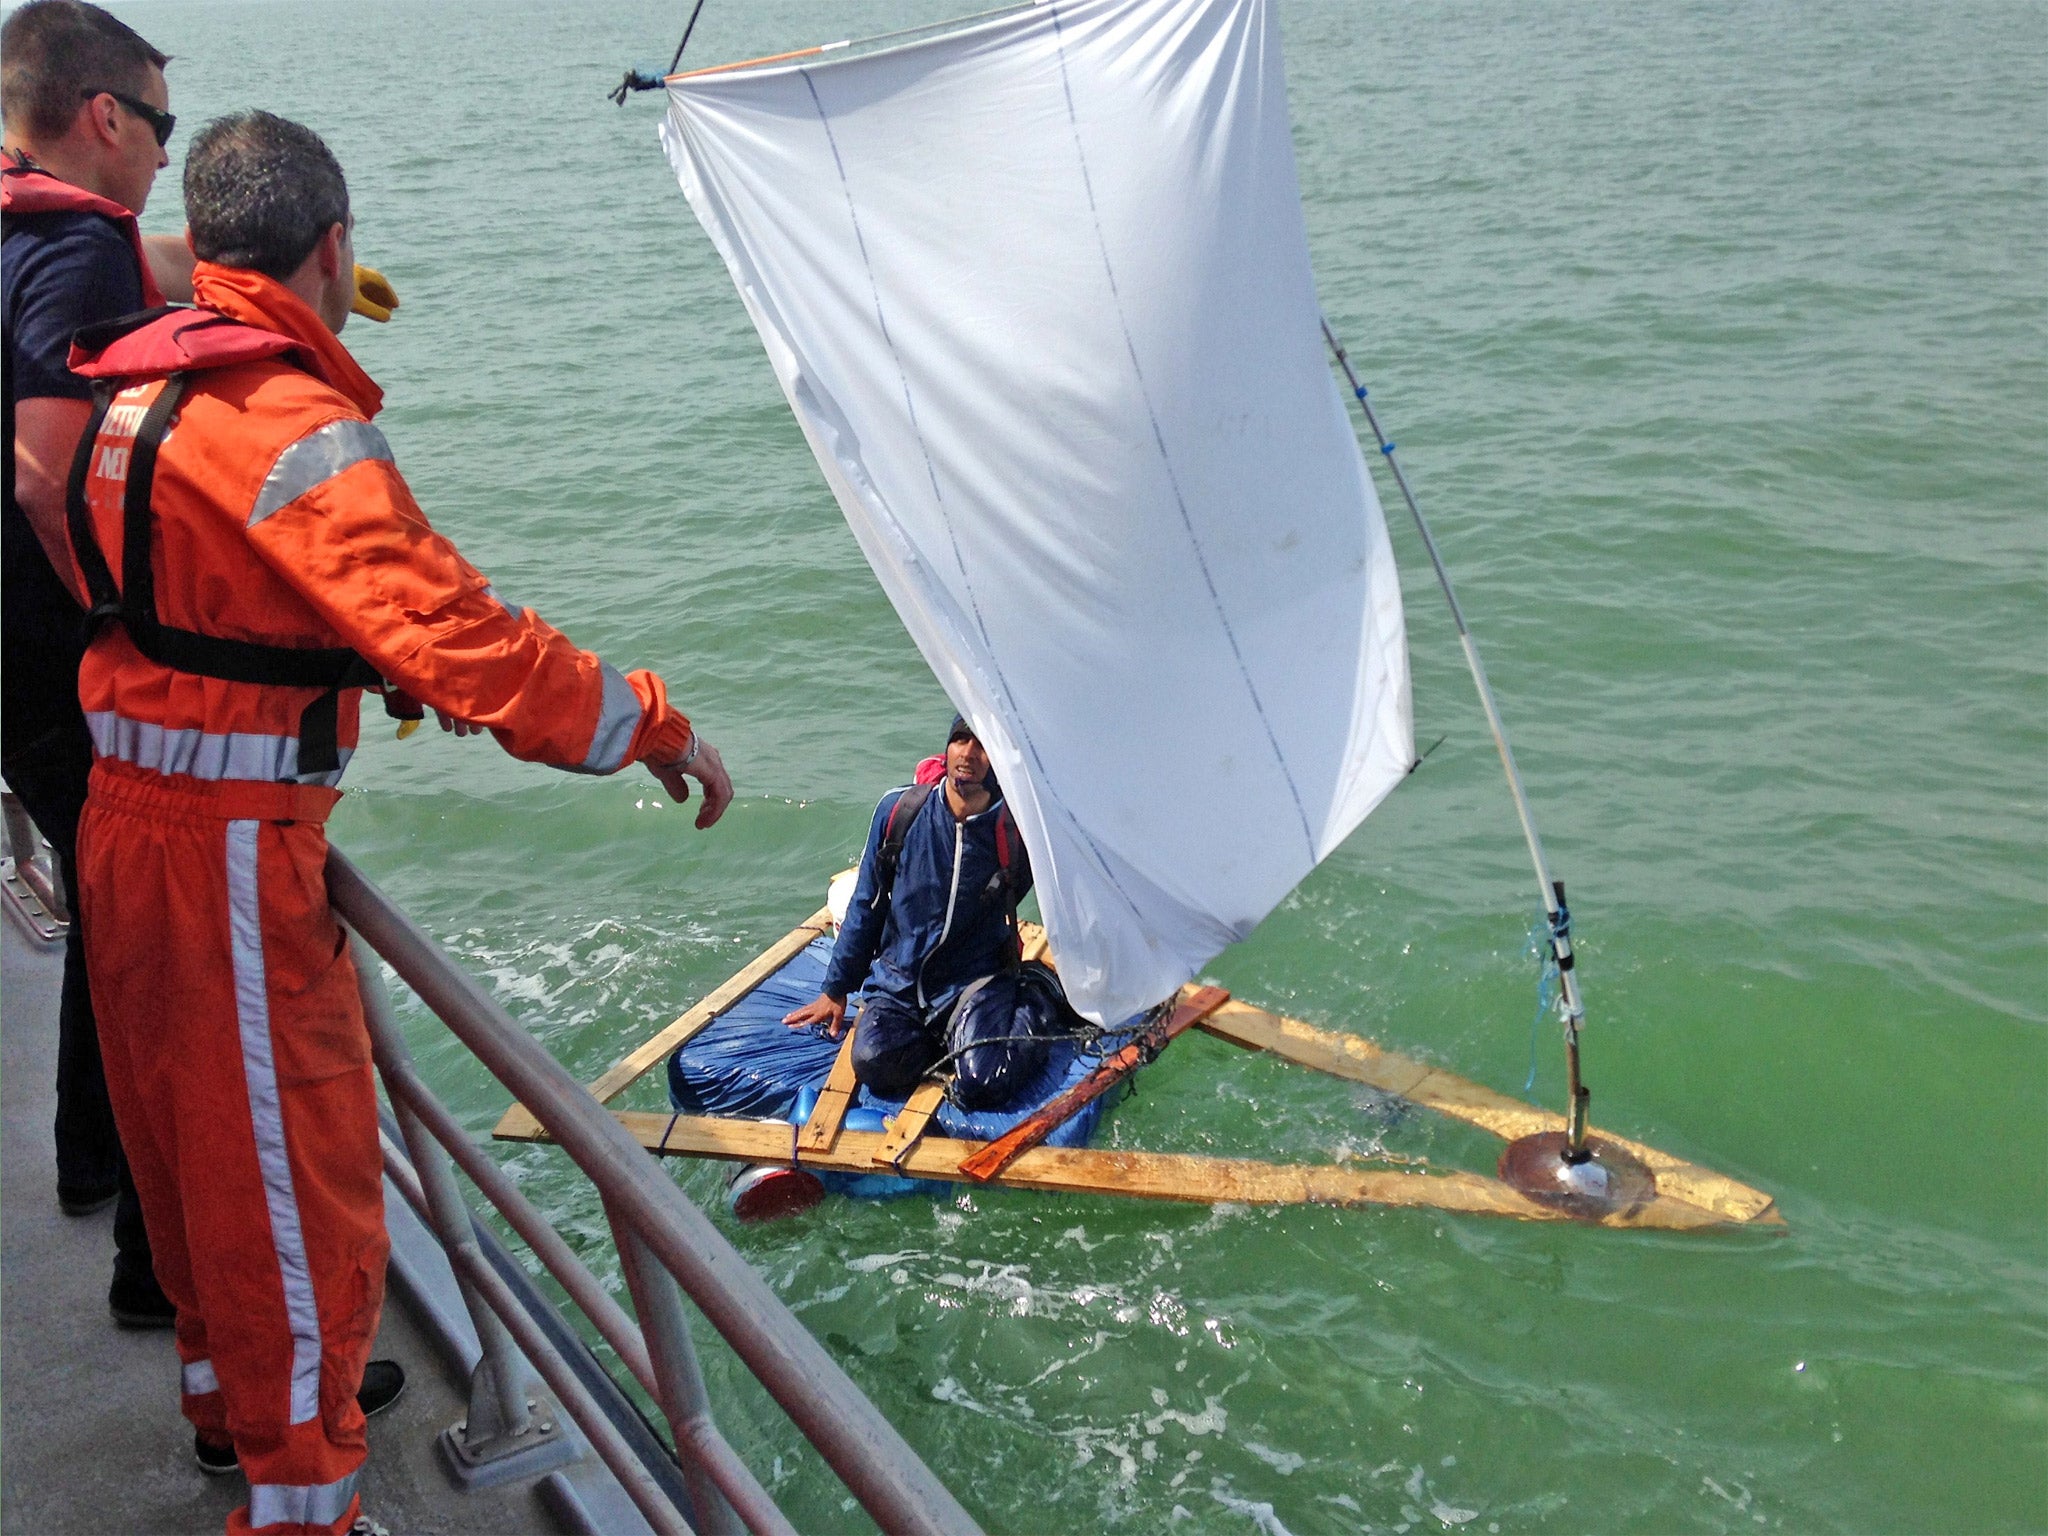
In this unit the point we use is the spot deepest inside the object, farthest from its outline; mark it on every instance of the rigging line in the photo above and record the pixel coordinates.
(1553, 905)
(1425, 756)
(687, 30)
(853, 42)
(641, 80)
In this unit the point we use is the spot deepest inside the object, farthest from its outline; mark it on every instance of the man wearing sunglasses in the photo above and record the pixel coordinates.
(84, 104)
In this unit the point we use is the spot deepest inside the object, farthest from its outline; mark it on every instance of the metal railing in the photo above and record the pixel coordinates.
(664, 1242)
(31, 877)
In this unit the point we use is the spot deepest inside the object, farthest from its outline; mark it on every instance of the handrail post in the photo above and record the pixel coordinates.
(871, 1457)
(665, 1326)
(41, 873)
(503, 1388)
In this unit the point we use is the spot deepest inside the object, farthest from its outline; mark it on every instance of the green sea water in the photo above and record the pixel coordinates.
(1715, 337)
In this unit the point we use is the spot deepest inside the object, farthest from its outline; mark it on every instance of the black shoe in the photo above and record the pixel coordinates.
(140, 1303)
(74, 1200)
(214, 1460)
(383, 1385)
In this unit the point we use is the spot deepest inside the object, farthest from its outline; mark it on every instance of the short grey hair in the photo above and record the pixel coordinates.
(260, 191)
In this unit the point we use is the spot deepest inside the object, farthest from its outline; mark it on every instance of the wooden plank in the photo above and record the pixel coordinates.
(1141, 1175)
(1711, 1196)
(518, 1123)
(910, 1123)
(757, 970)
(1348, 1056)
(823, 1126)
(1359, 1060)
(1193, 1007)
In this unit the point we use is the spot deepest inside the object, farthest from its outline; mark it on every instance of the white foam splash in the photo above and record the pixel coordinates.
(1286, 1463)
(1261, 1513)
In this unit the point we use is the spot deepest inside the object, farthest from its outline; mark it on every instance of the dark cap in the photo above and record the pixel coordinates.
(961, 731)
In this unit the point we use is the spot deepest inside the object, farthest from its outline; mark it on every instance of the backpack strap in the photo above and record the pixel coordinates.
(1003, 883)
(895, 832)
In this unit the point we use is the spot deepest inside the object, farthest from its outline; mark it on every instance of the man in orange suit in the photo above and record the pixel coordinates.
(249, 574)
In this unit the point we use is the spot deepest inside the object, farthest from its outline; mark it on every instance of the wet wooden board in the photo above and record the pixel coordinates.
(625, 1072)
(822, 1129)
(910, 1123)
(1140, 1175)
(1688, 1196)
(1359, 1060)
(1196, 1004)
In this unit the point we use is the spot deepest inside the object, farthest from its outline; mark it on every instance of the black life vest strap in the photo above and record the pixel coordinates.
(103, 599)
(138, 575)
(133, 605)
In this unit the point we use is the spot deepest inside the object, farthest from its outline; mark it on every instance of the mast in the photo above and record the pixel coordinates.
(1551, 891)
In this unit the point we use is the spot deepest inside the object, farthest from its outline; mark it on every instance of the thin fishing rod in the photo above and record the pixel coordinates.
(646, 80)
(687, 30)
(1551, 891)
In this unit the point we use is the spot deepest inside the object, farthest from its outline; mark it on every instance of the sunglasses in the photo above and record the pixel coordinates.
(161, 123)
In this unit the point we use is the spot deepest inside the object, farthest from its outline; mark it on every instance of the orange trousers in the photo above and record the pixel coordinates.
(239, 1068)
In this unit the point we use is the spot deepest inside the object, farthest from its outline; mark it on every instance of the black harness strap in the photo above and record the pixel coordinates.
(133, 605)
(102, 595)
(138, 576)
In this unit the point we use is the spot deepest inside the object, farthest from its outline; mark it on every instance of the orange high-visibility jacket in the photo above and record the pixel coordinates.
(280, 519)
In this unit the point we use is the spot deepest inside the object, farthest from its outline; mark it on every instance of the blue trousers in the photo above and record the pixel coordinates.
(896, 1044)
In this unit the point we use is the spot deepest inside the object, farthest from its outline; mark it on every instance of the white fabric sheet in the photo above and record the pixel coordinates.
(1038, 292)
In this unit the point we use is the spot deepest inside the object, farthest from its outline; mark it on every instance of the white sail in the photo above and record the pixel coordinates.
(1038, 292)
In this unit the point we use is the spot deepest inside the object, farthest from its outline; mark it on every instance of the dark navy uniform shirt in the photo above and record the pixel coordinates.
(60, 271)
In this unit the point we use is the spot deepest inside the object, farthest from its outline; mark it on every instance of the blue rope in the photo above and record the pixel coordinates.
(1540, 948)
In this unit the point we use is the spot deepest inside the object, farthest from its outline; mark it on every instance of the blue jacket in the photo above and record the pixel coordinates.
(947, 918)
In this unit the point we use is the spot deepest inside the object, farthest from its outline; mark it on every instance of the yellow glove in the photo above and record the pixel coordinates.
(375, 297)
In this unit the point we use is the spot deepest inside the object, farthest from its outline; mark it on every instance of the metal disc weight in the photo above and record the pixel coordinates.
(1612, 1181)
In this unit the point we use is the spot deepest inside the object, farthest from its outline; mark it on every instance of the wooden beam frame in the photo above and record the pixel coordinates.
(1688, 1197)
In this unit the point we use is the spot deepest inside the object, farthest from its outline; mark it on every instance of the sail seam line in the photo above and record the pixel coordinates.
(1017, 721)
(1159, 439)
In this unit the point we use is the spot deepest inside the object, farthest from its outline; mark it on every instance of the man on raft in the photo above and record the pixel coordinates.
(930, 942)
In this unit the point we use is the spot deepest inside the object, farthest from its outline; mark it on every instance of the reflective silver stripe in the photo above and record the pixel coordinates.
(198, 1379)
(300, 1503)
(266, 1115)
(315, 459)
(492, 593)
(203, 754)
(617, 719)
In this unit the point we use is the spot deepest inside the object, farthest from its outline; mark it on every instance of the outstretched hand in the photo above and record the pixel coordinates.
(708, 769)
(459, 727)
(828, 1011)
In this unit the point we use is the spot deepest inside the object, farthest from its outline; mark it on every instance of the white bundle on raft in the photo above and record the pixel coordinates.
(1038, 293)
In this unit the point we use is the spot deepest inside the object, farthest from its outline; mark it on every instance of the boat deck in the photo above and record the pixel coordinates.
(90, 1435)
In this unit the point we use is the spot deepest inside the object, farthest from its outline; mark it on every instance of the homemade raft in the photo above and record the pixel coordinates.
(1036, 286)
(1646, 1188)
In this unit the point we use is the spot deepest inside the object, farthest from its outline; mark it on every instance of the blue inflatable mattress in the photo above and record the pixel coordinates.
(747, 1064)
